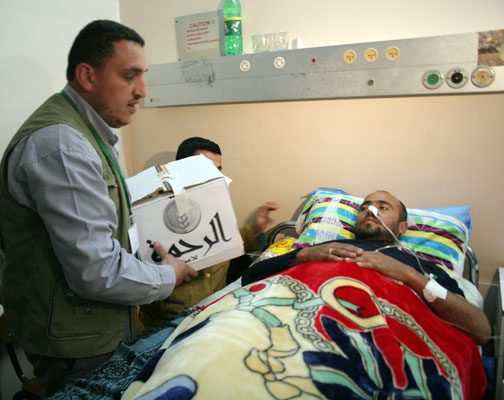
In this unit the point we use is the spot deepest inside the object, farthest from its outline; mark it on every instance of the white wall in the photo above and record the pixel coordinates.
(35, 37)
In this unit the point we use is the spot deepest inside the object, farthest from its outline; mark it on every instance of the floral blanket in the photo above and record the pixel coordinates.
(321, 330)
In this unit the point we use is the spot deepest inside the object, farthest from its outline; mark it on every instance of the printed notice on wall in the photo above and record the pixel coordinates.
(491, 48)
(198, 35)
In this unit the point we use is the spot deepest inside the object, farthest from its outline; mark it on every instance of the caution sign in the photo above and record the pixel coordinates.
(199, 35)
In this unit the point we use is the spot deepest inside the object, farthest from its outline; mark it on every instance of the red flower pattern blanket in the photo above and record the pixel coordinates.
(321, 330)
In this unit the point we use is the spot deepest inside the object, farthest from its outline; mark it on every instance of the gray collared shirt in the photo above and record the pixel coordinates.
(57, 173)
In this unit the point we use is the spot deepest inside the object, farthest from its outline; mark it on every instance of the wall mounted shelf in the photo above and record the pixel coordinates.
(456, 64)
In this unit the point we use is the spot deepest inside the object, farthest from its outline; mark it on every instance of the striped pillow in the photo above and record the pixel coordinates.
(440, 238)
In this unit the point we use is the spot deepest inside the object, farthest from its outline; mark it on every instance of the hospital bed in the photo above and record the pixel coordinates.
(272, 339)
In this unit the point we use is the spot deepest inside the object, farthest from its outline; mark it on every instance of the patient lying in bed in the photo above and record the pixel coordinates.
(338, 320)
(391, 262)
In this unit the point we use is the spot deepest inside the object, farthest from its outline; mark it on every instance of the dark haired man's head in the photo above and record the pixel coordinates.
(106, 66)
(94, 44)
(198, 145)
(390, 210)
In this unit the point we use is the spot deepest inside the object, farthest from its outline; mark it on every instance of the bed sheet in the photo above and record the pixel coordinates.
(319, 331)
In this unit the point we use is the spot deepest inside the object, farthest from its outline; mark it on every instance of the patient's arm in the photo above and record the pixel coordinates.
(274, 265)
(454, 309)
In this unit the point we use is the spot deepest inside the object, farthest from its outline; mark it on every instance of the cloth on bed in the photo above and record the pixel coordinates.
(320, 330)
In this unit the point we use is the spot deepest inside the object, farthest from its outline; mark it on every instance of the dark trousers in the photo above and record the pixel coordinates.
(53, 373)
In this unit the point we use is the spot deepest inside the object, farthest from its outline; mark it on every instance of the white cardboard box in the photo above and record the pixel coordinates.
(192, 216)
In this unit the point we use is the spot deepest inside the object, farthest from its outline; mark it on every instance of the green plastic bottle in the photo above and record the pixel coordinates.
(233, 40)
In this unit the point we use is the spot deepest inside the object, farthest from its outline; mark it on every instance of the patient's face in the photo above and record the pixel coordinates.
(216, 158)
(369, 228)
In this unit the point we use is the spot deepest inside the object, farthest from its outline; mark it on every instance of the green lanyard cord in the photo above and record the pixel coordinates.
(102, 147)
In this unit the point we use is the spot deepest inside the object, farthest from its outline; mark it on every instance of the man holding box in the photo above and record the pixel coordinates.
(69, 275)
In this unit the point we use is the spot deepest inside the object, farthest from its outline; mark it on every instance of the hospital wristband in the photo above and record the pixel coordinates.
(433, 290)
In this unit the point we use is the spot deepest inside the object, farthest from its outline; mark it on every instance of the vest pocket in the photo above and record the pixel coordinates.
(111, 185)
(114, 192)
(73, 317)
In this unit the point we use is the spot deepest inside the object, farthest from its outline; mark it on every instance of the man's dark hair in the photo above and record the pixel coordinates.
(94, 44)
(403, 212)
(191, 145)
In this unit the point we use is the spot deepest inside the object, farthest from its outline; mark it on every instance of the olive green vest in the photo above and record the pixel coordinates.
(42, 312)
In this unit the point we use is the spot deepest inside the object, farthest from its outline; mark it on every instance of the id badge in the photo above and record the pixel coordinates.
(133, 238)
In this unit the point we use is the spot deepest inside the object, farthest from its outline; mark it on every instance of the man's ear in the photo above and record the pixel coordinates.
(85, 76)
(403, 227)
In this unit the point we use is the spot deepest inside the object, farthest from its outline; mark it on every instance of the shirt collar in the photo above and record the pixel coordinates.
(106, 132)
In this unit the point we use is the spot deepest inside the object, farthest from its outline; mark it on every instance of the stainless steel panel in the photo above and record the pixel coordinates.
(320, 73)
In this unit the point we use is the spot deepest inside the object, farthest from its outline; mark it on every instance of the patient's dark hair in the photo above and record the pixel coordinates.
(94, 44)
(403, 212)
(191, 145)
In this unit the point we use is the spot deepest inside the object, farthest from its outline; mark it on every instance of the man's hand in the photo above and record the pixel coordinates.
(183, 271)
(384, 264)
(262, 217)
(328, 252)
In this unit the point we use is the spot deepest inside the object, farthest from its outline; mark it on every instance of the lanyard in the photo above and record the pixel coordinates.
(102, 147)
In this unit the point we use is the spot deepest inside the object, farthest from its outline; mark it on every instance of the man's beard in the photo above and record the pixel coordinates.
(107, 113)
(373, 234)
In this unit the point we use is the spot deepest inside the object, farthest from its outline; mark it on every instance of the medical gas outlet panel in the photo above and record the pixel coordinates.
(456, 64)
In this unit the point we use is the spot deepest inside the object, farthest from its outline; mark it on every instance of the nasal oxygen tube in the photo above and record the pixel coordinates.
(432, 289)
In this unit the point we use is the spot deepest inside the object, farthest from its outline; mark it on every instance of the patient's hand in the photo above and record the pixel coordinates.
(384, 264)
(328, 252)
(263, 218)
(183, 271)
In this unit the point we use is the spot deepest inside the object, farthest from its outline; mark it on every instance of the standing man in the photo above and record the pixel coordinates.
(213, 278)
(69, 275)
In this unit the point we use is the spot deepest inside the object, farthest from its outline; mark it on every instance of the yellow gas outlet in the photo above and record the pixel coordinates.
(350, 56)
(371, 55)
(392, 53)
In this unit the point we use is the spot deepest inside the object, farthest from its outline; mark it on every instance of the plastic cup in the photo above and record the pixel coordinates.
(279, 41)
(261, 42)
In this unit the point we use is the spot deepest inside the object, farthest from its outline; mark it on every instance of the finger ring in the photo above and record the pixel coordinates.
(330, 251)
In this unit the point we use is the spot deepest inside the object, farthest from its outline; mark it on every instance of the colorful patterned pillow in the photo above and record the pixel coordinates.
(440, 238)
